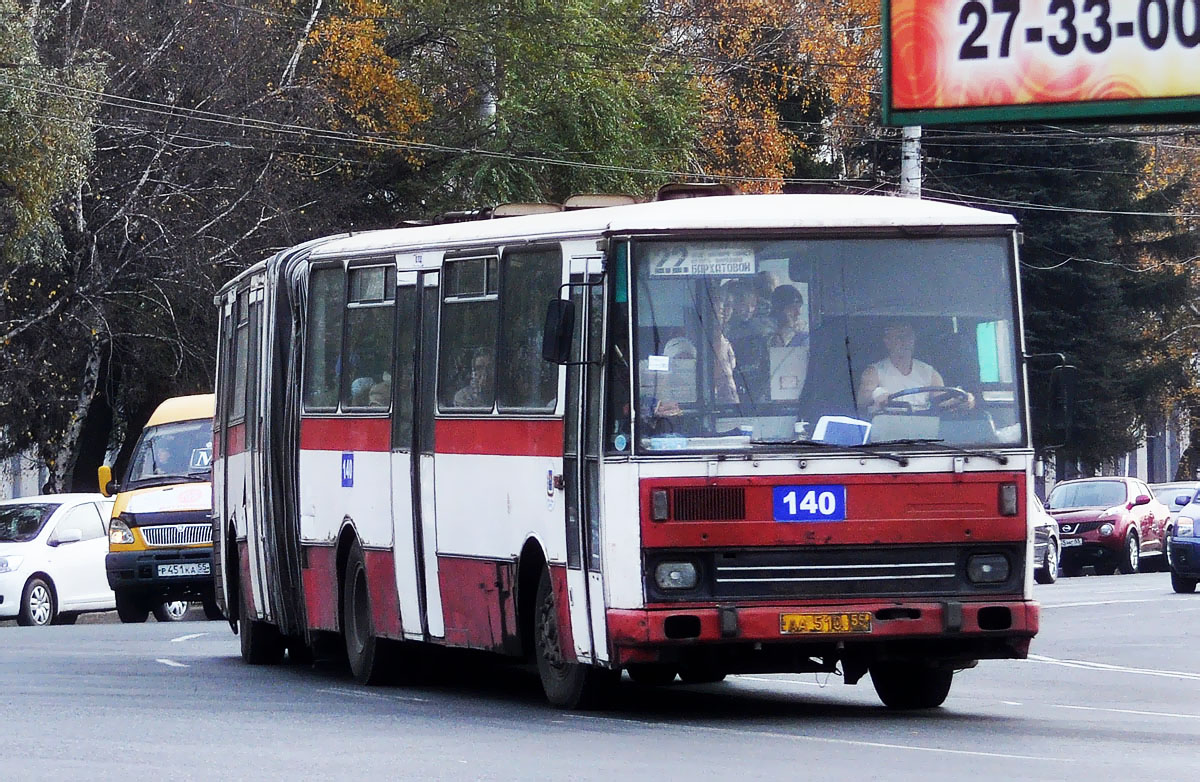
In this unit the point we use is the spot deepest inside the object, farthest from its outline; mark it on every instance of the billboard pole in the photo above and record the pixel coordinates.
(910, 162)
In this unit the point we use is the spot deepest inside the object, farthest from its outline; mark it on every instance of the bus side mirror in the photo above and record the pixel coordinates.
(558, 331)
(1062, 404)
(107, 487)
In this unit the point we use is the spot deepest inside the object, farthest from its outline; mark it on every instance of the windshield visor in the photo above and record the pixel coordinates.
(172, 453)
(22, 523)
(845, 341)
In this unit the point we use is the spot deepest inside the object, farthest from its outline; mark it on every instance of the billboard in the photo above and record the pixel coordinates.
(951, 61)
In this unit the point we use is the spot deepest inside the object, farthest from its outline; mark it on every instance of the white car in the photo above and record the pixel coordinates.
(52, 550)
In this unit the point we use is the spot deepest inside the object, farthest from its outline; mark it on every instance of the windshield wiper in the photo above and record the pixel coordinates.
(943, 445)
(901, 460)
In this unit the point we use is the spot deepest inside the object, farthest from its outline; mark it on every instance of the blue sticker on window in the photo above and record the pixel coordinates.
(810, 503)
(347, 470)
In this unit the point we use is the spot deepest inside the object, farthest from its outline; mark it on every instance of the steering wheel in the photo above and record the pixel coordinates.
(938, 395)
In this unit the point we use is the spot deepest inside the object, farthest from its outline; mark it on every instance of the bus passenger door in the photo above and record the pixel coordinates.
(424, 518)
(581, 467)
(257, 538)
(405, 517)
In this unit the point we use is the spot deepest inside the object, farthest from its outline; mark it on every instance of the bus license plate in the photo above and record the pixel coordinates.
(801, 624)
(184, 569)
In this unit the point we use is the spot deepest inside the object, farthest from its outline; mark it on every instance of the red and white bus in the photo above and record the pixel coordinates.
(685, 438)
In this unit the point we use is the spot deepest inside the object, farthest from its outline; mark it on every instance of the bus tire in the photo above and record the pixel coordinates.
(131, 609)
(906, 685)
(651, 674)
(358, 626)
(567, 685)
(212, 611)
(261, 642)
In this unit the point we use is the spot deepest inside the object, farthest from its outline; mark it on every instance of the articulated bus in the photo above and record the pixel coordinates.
(679, 439)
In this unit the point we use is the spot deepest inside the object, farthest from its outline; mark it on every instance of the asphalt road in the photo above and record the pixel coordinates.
(1112, 691)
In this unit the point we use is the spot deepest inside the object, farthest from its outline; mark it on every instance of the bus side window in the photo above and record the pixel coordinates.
(467, 353)
(525, 380)
(367, 360)
(323, 338)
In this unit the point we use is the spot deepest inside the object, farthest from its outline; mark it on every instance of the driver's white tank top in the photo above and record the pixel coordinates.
(893, 380)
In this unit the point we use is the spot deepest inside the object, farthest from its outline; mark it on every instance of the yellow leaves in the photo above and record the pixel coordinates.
(352, 61)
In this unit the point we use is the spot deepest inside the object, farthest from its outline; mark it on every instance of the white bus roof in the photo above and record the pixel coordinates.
(717, 213)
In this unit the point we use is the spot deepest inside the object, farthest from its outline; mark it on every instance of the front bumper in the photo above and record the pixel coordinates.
(946, 629)
(11, 586)
(1185, 557)
(1094, 550)
(157, 572)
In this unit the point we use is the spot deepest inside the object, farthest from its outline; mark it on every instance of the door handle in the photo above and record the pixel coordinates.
(560, 482)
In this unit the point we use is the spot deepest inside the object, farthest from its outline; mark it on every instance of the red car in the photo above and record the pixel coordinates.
(1110, 523)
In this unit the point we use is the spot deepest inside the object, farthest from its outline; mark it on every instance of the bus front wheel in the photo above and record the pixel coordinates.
(567, 685)
(905, 685)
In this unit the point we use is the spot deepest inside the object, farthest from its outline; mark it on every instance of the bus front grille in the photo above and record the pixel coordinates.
(177, 534)
(709, 503)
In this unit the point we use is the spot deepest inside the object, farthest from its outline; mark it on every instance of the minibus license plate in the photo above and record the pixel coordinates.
(184, 569)
(800, 624)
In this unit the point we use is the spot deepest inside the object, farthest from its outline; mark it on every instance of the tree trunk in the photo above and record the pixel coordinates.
(64, 461)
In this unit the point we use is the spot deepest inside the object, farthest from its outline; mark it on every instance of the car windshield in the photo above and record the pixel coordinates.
(1087, 494)
(22, 523)
(741, 344)
(179, 451)
(1168, 494)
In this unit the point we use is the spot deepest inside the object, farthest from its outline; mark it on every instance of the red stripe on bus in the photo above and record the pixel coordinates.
(499, 436)
(478, 603)
(321, 587)
(922, 508)
(343, 433)
(562, 605)
(385, 600)
(237, 439)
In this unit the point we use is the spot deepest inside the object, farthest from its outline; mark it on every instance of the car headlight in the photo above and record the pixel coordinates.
(118, 532)
(1184, 526)
(987, 568)
(10, 564)
(1106, 529)
(676, 575)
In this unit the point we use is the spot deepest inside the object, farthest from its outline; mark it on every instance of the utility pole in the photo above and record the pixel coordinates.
(910, 162)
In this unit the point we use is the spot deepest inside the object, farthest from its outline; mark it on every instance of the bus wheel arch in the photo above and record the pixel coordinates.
(530, 565)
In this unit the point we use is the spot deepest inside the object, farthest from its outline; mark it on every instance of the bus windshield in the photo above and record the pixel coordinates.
(762, 342)
(172, 453)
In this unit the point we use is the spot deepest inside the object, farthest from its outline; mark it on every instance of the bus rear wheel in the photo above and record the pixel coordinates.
(903, 685)
(358, 627)
(567, 685)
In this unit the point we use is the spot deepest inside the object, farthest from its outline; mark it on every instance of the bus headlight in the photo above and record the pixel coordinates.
(119, 533)
(1184, 526)
(987, 568)
(676, 575)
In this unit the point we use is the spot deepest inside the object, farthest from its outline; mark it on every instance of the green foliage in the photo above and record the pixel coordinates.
(575, 81)
(1098, 278)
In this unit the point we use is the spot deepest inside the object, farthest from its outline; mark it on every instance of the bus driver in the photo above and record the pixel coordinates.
(900, 371)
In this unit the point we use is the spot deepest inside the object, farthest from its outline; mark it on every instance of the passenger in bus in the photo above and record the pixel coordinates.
(900, 371)
(360, 391)
(380, 394)
(478, 390)
(724, 359)
(788, 329)
(747, 331)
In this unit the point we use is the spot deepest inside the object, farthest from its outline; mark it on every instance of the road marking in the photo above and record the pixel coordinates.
(1094, 666)
(1012, 703)
(1172, 715)
(187, 637)
(1098, 603)
(171, 663)
(673, 727)
(780, 680)
(371, 695)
